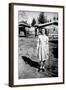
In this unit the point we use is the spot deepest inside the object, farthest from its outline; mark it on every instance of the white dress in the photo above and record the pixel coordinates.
(43, 47)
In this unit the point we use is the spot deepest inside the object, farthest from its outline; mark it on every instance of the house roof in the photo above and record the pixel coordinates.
(46, 24)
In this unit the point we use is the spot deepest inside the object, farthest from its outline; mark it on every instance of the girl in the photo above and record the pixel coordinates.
(43, 48)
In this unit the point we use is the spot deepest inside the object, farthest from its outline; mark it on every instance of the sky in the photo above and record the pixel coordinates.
(29, 15)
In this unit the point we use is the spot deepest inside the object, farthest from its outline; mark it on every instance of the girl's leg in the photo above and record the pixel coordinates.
(43, 64)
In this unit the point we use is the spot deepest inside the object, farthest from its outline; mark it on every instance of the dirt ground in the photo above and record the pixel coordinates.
(28, 62)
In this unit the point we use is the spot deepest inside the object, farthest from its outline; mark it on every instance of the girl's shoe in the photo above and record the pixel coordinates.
(43, 70)
(40, 69)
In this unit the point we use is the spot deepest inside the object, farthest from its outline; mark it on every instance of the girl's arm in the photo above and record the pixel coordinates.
(38, 42)
(47, 45)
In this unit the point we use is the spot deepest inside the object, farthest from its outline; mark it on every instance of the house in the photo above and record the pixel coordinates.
(51, 28)
(23, 28)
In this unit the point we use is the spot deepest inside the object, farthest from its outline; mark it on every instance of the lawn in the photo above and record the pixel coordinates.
(28, 62)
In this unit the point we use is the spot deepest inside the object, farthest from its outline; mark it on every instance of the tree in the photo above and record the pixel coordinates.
(54, 18)
(57, 18)
(33, 22)
(50, 20)
(42, 18)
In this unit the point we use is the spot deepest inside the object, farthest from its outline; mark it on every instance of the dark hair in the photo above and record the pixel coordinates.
(45, 31)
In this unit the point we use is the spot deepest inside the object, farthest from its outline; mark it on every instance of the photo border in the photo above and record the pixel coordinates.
(11, 42)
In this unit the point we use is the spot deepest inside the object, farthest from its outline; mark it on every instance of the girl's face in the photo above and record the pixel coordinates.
(43, 31)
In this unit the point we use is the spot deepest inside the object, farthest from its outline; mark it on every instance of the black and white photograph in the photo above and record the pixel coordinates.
(36, 44)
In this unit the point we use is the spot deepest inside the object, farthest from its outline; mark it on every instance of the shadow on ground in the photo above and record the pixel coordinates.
(30, 62)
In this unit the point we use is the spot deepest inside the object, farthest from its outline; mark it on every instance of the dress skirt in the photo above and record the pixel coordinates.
(43, 53)
(43, 48)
